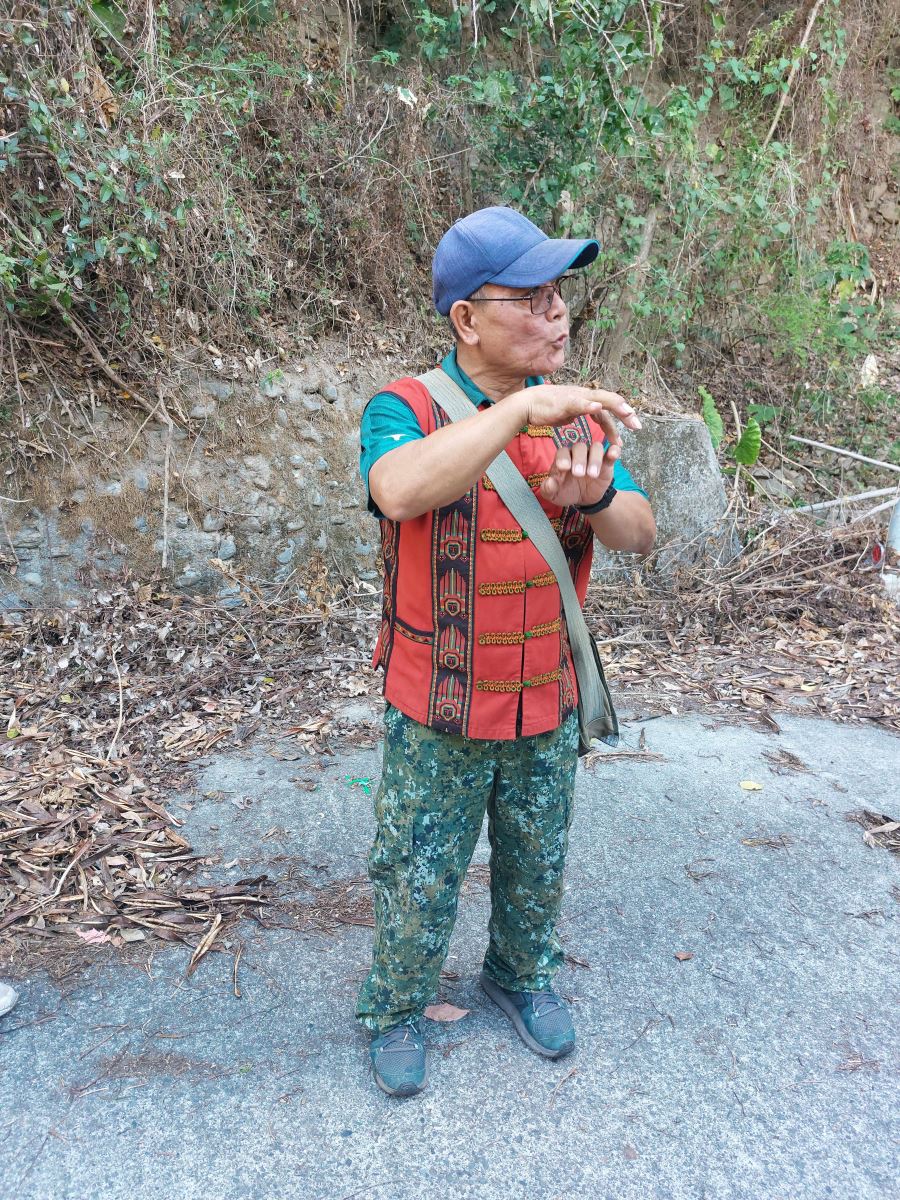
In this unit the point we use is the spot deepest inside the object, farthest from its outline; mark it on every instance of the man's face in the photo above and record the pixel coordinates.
(512, 337)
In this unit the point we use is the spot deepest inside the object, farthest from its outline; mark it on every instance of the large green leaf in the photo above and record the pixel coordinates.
(711, 417)
(746, 452)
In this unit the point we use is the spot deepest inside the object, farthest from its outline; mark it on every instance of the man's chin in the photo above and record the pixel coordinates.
(553, 360)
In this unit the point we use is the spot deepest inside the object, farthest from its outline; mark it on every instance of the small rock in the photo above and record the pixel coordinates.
(317, 500)
(78, 496)
(28, 539)
(311, 435)
(311, 404)
(182, 520)
(273, 386)
(213, 523)
(260, 470)
(297, 460)
(321, 464)
(251, 525)
(188, 579)
(227, 548)
(321, 542)
(87, 526)
(201, 412)
(329, 392)
(890, 210)
(877, 190)
(285, 555)
(140, 524)
(337, 519)
(141, 480)
(217, 387)
(60, 552)
(31, 578)
(113, 488)
(281, 418)
(363, 549)
(294, 526)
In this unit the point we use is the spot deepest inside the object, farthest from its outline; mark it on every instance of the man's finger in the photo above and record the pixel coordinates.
(607, 423)
(619, 406)
(579, 458)
(595, 459)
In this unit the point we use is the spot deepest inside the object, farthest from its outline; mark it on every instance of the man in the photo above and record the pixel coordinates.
(480, 686)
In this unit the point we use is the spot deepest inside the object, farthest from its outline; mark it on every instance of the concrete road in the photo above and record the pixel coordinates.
(764, 1067)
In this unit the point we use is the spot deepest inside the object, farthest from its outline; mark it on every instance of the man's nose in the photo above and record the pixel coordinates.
(557, 309)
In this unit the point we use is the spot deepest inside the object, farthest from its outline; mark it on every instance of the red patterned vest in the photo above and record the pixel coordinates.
(471, 639)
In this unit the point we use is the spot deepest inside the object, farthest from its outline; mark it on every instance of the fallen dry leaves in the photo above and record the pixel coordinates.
(101, 707)
(793, 624)
(88, 850)
(104, 706)
(445, 1013)
(879, 830)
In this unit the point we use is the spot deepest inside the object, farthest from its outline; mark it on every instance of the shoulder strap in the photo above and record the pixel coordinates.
(525, 507)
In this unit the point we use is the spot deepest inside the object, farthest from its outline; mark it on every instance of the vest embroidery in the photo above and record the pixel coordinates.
(390, 533)
(453, 580)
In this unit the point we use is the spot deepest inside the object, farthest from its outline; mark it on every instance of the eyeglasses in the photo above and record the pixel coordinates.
(540, 299)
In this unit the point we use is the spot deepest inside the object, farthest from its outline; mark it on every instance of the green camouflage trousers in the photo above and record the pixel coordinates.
(429, 809)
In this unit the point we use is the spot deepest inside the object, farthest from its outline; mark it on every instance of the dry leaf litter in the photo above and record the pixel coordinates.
(105, 706)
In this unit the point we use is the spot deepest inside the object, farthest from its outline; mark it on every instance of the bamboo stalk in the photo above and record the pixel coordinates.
(872, 495)
(876, 462)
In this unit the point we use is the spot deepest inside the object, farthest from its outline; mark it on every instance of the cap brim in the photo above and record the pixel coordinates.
(547, 261)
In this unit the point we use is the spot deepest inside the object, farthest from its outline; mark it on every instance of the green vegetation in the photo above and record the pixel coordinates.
(201, 170)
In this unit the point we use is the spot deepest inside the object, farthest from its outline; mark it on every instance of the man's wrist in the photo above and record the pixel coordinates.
(605, 500)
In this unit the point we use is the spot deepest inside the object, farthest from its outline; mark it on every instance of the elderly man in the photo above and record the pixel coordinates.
(479, 681)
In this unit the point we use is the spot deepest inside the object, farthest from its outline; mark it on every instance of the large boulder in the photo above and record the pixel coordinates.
(673, 460)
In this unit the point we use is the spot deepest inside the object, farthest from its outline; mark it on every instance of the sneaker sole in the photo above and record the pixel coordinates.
(404, 1091)
(500, 998)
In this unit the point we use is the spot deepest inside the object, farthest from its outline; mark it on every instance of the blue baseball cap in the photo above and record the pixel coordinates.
(500, 245)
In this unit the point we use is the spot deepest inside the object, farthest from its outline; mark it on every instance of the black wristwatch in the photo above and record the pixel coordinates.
(604, 502)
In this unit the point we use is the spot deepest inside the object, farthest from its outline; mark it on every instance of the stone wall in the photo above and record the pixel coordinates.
(260, 482)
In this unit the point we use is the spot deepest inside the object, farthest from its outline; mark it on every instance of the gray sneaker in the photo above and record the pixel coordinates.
(541, 1019)
(398, 1060)
(8, 998)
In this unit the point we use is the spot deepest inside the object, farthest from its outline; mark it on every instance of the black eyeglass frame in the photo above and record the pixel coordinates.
(529, 296)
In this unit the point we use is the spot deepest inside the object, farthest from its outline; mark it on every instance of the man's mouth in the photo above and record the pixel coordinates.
(561, 341)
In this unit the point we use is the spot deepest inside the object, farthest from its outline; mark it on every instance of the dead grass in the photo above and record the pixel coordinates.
(880, 830)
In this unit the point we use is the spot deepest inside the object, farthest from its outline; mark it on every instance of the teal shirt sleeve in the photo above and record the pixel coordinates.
(388, 422)
(623, 481)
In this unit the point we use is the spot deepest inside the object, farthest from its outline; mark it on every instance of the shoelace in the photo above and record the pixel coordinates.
(545, 1003)
(399, 1043)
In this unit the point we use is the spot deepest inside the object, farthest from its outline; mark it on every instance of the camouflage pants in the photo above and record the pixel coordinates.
(429, 809)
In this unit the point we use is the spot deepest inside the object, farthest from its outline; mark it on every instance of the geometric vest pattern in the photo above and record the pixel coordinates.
(472, 638)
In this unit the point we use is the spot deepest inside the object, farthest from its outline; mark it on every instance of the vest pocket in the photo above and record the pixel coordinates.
(422, 636)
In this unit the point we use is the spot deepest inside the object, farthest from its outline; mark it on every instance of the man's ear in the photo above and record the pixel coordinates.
(463, 316)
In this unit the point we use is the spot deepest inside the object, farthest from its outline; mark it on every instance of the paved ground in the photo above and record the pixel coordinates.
(765, 1067)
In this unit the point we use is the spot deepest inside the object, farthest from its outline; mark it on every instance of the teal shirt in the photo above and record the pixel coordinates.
(389, 422)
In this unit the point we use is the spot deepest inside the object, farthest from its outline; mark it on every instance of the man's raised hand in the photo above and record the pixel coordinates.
(558, 404)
